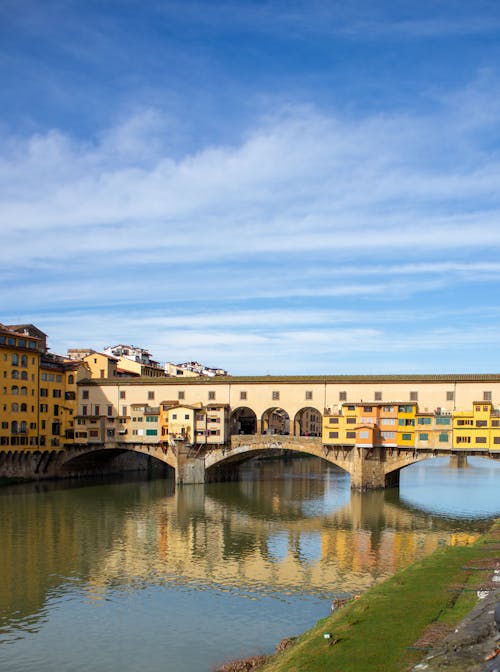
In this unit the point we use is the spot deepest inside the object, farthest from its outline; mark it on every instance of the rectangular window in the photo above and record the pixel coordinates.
(84, 409)
(443, 437)
(110, 410)
(186, 417)
(211, 396)
(97, 409)
(85, 394)
(414, 396)
(406, 437)
(243, 396)
(423, 436)
(124, 410)
(174, 416)
(496, 439)
(378, 396)
(481, 423)
(342, 396)
(367, 409)
(364, 434)
(424, 421)
(486, 396)
(122, 394)
(388, 409)
(495, 423)
(151, 418)
(151, 395)
(151, 432)
(443, 421)
(276, 396)
(180, 395)
(333, 435)
(480, 439)
(350, 435)
(450, 396)
(388, 435)
(44, 392)
(56, 394)
(309, 395)
(333, 421)
(351, 421)
(388, 421)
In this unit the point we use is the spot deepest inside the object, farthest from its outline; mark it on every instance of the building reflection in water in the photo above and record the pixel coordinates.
(300, 533)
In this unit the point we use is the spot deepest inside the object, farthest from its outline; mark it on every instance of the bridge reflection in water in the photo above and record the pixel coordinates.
(298, 534)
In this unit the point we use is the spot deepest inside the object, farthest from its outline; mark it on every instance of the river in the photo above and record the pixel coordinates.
(133, 574)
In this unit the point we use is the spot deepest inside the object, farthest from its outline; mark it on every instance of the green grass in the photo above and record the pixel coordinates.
(377, 632)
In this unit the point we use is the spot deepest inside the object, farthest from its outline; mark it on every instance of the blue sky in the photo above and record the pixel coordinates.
(269, 187)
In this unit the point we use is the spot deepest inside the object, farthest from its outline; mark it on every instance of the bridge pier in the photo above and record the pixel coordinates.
(368, 470)
(458, 461)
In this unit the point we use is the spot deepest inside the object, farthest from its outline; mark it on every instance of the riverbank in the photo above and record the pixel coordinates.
(395, 624)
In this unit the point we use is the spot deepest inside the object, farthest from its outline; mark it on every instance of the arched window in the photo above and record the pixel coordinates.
(24, 391)
(15, 359)
(14, 408)
(14, 389)
(24, 375)
(15, 374)
(24, 360)
(23, 427)
(14, 427)
(24, 408)
(71, 379)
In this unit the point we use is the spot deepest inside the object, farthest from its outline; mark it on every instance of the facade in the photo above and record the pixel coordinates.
(191, 369)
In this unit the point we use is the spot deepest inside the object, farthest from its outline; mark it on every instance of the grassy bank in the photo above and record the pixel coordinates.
(380, 632)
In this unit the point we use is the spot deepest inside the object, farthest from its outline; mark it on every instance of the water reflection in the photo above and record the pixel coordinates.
(287, 529)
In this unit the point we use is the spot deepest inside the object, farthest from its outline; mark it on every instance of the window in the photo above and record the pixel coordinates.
(309, 395)
(423, 436)
(14, 374)
(24, 391)
(406, 422)
(97, 409)
(14, 408)
(180, 395)
(333, 421)
(151, 432)
(14, 389)
(151, 395)
(276, 396)
(71, 379)
(388, 409)
(496, 439)
(124, 410)
(44, 408)
(450, 396)
(342, 396)
(243, 396)
(388, 435)
(123, 394)
(388, 421)
(174, 416)
(480, 439)
(85, 394)
(56, 394)
(351, 421)
(350, 435)
(368, 409)
(24, 375)
(364, 434)
(481, 423)
(110, 410)
(495, 423)
(414, 396)
(211, 396)
(424, 421)
(443, 421)
(186, 417)
(406, 437)
(15, 359)
(378, 396)
(84, 409)
(333, 435)
(486, 396)
(151, 418)
(56, 409)
(24, 361)
(443, 437)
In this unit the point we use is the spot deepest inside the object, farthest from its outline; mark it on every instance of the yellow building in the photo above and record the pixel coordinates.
(19, 370)
(478, 428)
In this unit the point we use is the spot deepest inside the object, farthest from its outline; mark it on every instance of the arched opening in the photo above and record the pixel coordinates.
(308, 422)
(243, 421)
(275, 421)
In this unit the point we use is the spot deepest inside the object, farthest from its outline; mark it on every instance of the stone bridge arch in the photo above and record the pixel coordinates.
(275, 420)
(243, 420)
(75, 459)
(308, 421)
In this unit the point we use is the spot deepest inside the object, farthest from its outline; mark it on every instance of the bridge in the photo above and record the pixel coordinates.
(369, 467)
